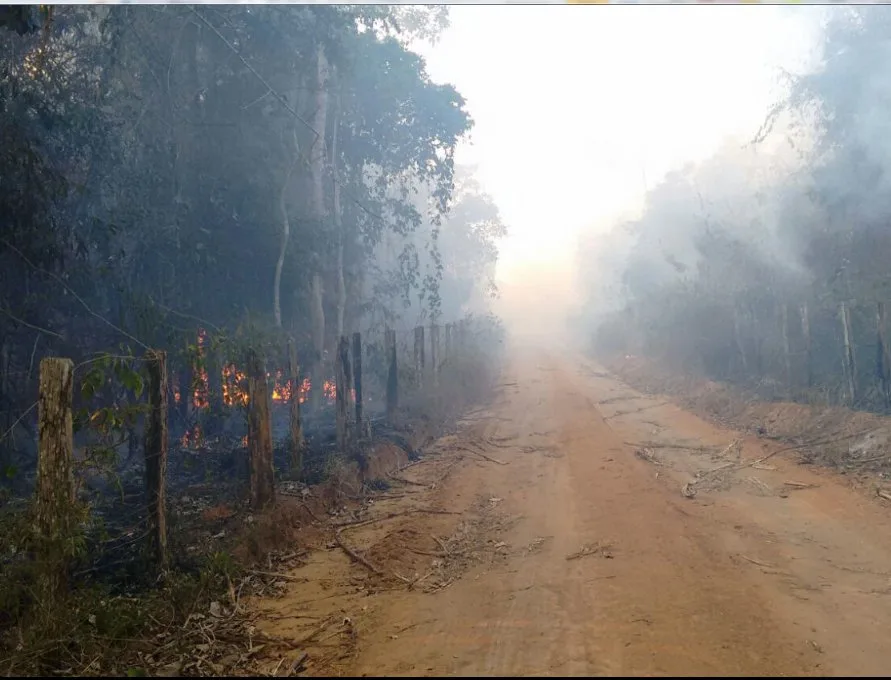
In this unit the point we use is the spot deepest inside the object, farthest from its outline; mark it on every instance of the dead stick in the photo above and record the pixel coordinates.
(405, 481)
(760, 564)
(286, 577)
(483, 455)
(356, 556)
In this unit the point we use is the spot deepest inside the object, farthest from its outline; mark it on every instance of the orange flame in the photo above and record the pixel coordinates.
(234, 392)
(192, 439)
(329, 389)
(234, 385)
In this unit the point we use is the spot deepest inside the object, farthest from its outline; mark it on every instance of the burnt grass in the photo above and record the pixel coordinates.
(209, 521)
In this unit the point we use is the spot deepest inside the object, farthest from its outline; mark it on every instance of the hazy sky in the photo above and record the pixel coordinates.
(577, 106)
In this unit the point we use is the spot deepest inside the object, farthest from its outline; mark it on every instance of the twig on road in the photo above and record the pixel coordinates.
(354, 555)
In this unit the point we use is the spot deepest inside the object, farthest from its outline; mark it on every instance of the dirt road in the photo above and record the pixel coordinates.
(573, 551)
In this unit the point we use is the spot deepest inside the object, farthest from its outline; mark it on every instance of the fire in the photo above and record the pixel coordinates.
(281, 387)
(192, 438)
(234, 384)
(329, 389)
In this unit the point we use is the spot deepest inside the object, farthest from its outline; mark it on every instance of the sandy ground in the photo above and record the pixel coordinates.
(570, 549)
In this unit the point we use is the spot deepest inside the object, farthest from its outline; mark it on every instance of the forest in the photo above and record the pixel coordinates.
(764, 265)
(176, 171)
(266, 196)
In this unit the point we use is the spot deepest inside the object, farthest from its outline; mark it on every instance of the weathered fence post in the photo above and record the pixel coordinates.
(357, 381)
(55, 479)
(259, 434)
(297, 443)
(156, 456)
(419, 355)
(392, 376)
(341, 391)
(434, 353)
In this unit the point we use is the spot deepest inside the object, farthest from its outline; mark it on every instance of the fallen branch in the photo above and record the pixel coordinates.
(596, 549)
(642, 408)
(656, 445)
(405, 481)
(799, 485)
(441, 543)
(483, 455)
(760, 564)
(355, 524)
(318, 629)
(647, 455)
(286, 577)
(354, 555)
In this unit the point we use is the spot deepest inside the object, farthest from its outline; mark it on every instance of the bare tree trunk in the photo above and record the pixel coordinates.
(320, 125)
(342, 387)
(392, 376)
(338, 222)
(434, 353)
(419, 355)
(787, 361)
(448, 343)
(286, 234)
(55, 480)
(806, 332)
(318, 155)
(737, 337)
(849, 361)
(357, 381)
(6, 403)
(883, 359)
(318, 342)
(297, 442)
(156, 438)
(260, 434)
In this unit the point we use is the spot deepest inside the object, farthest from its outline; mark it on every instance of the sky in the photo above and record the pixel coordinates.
(578, 109)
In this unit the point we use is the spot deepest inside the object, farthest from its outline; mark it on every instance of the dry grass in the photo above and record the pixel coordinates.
(833, 436)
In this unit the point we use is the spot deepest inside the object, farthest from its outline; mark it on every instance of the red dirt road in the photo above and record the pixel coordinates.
(571, 555)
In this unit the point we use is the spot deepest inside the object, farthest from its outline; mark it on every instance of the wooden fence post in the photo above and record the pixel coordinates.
(55, 479)
(392, 377)
(297, 442)
(341, 391)
(156, 441)
(419, 355)
(357, 381)
(434, 353)
(259, 434)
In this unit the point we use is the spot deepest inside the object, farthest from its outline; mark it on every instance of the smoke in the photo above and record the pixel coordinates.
(775, 246)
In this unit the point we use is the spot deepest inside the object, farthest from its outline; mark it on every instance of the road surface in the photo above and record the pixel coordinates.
(573, 550)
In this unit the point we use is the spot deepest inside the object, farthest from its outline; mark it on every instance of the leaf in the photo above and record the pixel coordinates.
(92, 381)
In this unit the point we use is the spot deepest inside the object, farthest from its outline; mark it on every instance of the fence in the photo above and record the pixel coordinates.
(405, 379)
